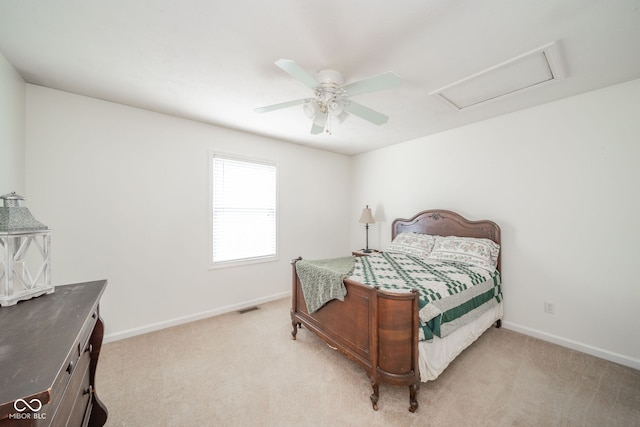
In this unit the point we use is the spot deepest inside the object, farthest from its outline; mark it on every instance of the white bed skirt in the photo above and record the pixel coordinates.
(436, 355)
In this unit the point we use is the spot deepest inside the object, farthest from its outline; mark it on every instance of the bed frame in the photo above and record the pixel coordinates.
(379, 329)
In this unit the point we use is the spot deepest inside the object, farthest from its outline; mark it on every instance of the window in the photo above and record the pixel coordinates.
(244, 222)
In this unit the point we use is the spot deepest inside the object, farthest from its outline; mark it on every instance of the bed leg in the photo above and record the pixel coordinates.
(499, 323)
(294, 332)
(375, 395)
(413, 393)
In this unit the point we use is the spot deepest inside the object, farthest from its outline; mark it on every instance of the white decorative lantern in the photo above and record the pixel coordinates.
(25, 257)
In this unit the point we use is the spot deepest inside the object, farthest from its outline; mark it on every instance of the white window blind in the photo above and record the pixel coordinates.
(244, 210)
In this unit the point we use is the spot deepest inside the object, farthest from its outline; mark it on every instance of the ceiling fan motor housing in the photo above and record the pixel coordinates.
(329, 77)
(329, 92)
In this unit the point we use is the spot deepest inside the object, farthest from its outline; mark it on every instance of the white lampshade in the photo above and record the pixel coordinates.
(336, 106)
(367, 216)
(310, 109)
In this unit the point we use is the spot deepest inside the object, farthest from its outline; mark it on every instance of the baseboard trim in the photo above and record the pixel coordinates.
(117, 336)
(574, 345)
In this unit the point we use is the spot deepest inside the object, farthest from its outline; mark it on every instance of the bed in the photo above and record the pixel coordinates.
(383, 326)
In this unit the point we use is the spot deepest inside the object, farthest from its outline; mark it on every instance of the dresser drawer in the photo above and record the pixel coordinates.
(74, 403)
(74, 366)
(83, 342)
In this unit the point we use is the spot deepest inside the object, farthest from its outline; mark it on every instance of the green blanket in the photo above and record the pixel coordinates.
(321, 280)
(450, 295)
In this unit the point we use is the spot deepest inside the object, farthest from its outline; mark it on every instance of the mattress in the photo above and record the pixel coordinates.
(436, 355)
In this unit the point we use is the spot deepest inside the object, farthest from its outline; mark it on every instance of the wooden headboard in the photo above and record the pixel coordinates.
(440, 222)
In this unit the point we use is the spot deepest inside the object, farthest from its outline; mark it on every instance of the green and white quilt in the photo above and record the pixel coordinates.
(450, 294)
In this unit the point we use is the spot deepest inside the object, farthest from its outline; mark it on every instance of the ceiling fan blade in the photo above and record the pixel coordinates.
(319, 122)
(366, 113)
(295, 71)
(281, 105)
(382, 81)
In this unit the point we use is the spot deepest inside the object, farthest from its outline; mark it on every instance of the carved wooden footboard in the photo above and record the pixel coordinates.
(376, 329)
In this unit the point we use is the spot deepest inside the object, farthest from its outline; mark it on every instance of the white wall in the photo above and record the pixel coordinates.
(562, 181)
(126, 192)
(12, 116)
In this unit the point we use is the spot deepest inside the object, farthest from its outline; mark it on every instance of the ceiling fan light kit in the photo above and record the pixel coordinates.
(331, 96)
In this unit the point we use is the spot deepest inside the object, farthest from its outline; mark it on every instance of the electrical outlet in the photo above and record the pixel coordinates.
(550, 307)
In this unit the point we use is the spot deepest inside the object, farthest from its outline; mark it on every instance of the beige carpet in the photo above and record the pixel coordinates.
(245, 370)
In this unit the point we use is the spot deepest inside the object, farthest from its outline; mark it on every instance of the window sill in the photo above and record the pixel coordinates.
(240, 263)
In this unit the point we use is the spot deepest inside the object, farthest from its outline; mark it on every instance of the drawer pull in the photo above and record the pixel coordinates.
(70, 367)
(87, 391)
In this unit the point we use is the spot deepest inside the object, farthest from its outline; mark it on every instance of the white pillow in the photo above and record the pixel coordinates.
(468, 250)
(415, 244)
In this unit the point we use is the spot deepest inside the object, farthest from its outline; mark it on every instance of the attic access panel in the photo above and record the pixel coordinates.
(533, 69)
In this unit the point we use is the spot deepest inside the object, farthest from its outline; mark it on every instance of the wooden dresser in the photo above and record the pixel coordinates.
(49, 348)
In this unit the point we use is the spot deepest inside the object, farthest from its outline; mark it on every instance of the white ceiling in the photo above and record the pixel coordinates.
(213, 61)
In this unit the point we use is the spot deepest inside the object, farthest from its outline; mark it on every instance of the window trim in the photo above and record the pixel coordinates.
(245, 261)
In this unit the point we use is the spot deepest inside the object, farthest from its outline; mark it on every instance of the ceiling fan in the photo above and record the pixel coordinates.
(332, 97)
